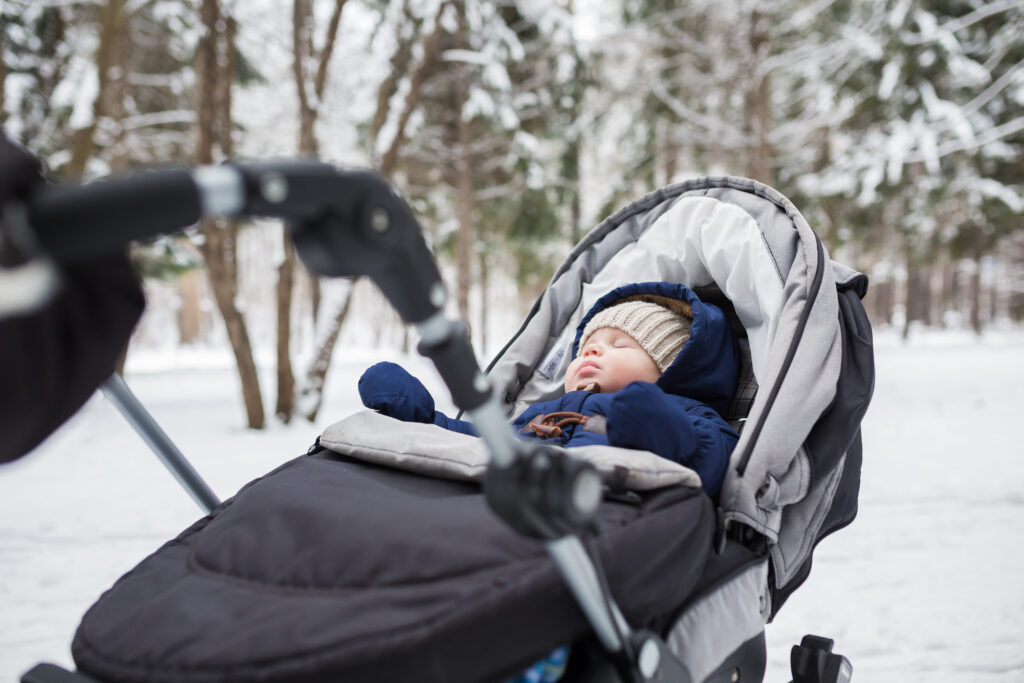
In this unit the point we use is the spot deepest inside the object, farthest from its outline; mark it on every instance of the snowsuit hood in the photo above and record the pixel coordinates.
(707, 367)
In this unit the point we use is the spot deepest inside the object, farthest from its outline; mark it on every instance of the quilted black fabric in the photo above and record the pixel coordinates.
(330, 569)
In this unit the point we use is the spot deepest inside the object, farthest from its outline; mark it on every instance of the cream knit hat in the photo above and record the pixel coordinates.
(659, 331)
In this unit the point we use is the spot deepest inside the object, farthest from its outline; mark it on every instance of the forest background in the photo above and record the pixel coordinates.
(514, 126)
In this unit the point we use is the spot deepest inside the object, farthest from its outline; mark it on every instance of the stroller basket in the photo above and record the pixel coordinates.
(334, 568)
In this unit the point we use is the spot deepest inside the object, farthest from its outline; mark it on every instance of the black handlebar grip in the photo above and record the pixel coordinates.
(75, 223)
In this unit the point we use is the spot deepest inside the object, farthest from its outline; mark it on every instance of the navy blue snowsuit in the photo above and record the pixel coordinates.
(677, 418)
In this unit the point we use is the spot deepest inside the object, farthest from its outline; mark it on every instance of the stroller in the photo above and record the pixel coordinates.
(378, 556)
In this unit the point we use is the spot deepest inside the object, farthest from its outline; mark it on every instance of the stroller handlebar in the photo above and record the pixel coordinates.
(74, 223)
(344, 223)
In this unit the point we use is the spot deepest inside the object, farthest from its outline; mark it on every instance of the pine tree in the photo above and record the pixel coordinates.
(923, 171)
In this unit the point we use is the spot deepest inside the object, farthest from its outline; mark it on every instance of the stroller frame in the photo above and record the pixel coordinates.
(352, 223)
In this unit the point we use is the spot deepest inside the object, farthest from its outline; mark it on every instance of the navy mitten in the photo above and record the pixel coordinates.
(391, 390)
(641, 416)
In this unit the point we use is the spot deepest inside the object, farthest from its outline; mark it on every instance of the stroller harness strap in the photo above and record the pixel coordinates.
(550, 425)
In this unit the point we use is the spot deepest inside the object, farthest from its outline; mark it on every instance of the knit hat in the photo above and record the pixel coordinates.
(659, 331)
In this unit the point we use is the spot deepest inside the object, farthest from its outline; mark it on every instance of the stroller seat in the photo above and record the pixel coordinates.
(334, 568)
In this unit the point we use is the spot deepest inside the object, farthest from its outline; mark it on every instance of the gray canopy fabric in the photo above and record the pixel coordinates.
(751, 243)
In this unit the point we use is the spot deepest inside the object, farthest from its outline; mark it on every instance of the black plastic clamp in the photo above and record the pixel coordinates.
(812, 661)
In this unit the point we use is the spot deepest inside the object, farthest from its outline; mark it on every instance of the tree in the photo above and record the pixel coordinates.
(492, 139)
(931, 148)
(214, 74)
(111, 30)
(739, 88)
(100, 87)
(387, 136)
(310, 94)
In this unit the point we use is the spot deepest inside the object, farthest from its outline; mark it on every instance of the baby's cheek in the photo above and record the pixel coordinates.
(570, 374)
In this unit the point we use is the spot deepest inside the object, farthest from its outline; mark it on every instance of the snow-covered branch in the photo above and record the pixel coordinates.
(162, 118)
(986, 10)
(731, 136)
(988, 137)
(937, 33)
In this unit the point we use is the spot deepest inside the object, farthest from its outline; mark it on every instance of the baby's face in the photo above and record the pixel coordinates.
(612, 359)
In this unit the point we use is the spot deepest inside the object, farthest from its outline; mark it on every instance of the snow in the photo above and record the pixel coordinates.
(925, 585)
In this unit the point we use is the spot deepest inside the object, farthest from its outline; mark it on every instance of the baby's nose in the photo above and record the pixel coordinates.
(591, 350)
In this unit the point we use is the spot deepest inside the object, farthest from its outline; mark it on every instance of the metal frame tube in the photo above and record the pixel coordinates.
(115, 389)
(492, 424)
(578, 571)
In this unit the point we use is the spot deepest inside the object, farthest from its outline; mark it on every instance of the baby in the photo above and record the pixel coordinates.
(651, 368)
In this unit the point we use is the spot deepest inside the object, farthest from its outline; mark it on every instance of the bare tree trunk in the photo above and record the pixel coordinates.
(315, 296)
(224, 131)
(224, 293)
(117, 153)
(927, 310)
(3, 78)
(330, 320)
(955, 288)
(993, 300)
(189, 314)
(312, 394)
(216, 248)
(285, 377)
(302, 30)
(1015, 306)
(83, 140)
(978, 248)
(670, 151)
(909, 301)
(464, 200)
(883, 302)
(309, 98)
(464, 206)
(485, 275)
(759, 106)
(917, 277)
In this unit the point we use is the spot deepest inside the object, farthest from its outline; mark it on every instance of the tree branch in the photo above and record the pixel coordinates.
(399, 64)
(325, 53)
(412, 98)
(300, 15)
(993, 135)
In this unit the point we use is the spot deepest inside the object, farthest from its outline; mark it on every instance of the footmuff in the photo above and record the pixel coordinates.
(337, 569)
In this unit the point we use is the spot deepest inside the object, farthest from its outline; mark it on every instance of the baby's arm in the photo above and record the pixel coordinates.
(688, 432)
(389, 389)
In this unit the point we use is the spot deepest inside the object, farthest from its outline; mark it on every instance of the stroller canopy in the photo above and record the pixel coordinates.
(794, 476)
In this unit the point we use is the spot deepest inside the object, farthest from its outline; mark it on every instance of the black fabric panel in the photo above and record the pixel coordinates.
(834, 432)
(842, 512)
(838, 430)
(332, 569)
(720, 568)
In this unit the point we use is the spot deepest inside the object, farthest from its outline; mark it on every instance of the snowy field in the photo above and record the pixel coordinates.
(926, 585)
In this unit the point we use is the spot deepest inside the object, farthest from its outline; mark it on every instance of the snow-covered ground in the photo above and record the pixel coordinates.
(926, 585)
